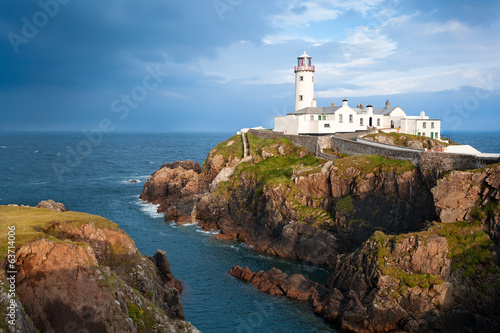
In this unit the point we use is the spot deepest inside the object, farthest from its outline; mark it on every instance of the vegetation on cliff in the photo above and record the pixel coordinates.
(367, 218)
(76, 270)
(407, 140)
(34, 224)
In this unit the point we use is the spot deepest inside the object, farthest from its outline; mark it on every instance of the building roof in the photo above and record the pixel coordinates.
(304, 55)
(332, 110)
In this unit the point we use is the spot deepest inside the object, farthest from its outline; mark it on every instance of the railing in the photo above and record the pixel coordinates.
(304, 68)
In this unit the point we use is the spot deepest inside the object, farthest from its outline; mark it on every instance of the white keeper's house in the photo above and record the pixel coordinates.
(312, 120)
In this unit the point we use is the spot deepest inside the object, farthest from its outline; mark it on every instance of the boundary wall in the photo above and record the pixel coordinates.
(424, 159)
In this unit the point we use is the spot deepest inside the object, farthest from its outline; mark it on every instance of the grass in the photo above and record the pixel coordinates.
(136, 313)
(334, 152)
(232, 147)
(387, 266)
(31, 224)
(344, 205)
(401, 139)
(257, 145)
(469, 248)
(321, 216)
(373, 163)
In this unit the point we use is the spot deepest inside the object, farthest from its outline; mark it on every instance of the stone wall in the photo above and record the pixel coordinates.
(424, 159)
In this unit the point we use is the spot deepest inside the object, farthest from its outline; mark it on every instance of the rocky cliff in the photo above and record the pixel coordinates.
(286, 202)
(81, 272)
(444, 279)
(368, 218)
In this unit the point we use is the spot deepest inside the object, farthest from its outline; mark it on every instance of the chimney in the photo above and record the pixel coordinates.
(369, 108)
(387, 104)
(333, 104)
(361, 106)
(344, 102)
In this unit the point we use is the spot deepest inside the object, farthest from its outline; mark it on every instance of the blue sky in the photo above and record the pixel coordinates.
(220, 65)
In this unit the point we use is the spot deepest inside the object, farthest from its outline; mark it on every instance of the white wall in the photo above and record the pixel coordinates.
(304, 88)
(286, 124)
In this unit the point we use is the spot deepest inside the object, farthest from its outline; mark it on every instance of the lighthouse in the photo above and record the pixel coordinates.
(304, 83)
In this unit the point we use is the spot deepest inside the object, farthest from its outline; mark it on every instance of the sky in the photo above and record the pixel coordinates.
(223, 65)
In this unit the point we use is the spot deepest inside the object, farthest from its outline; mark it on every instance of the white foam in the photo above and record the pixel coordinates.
(36, 151)
(3, 147)
(188, 224)
(149, 209)
(207, 232)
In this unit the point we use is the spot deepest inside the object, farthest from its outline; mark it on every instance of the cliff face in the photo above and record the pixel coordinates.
(471, 196)
(423, 277)
(78, 271)
(285, 202)
(428, 281)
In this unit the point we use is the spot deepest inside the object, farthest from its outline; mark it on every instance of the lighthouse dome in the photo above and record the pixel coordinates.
(304, 56)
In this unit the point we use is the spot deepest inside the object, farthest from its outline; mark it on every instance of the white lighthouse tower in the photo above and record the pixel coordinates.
(304, 83)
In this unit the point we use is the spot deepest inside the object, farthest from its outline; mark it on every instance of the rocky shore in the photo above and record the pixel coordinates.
(80, 272)
(410, 249)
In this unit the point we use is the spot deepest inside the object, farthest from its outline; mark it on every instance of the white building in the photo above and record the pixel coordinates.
(312, 120)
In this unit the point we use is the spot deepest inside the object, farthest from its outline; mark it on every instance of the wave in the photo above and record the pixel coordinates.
(149, 209)
(3, 147)
(188, 224)
(200, 230)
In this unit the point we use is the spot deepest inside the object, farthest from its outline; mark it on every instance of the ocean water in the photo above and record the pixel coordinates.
(485, 142)
(94, 176)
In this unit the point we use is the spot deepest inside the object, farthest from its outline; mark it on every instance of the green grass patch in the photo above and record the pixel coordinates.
(32, 224)
(387, 266)
(469, 246)
(136, 313)
(333, 152)
(344, 205)
(373, 163)
(401, 139)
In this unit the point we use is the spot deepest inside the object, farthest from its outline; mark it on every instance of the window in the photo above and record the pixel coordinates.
(437, 135)
(360, 121)
(301, 78)
(312, 117)
(313, 78)
(432, 125)
(378, 121)
(423, 133)
(324, 117)
(327, 125)
(340, 119)
(350, 118)
(301, 98)
(424, 125)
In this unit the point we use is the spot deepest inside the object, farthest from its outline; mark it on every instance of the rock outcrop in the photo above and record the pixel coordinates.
(425, 276)
(406, 140)
(285, 202)
(81, 272)
(470, 196)
(411, 282)
(275, 282)
(52, 205)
